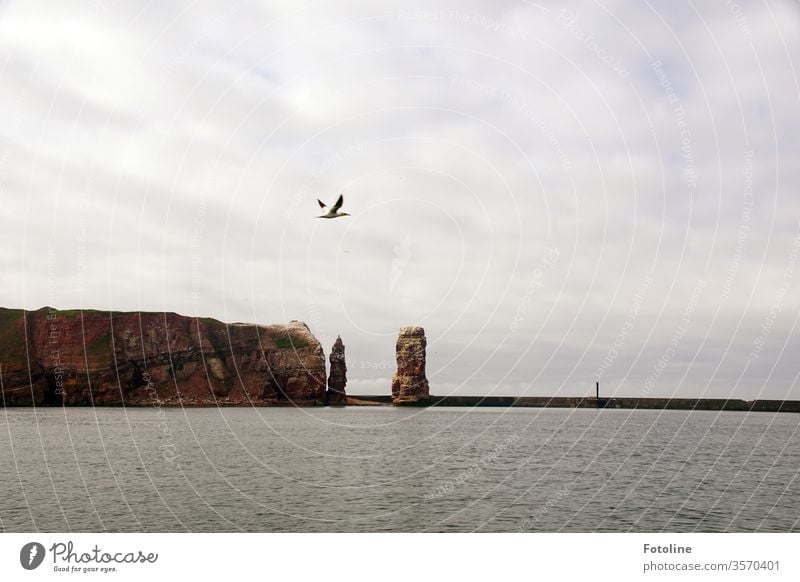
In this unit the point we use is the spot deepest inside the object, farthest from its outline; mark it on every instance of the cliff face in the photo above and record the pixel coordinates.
(409, 383)
(338, 376)
(51, 357)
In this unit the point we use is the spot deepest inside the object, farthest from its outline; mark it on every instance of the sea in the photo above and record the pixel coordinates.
(385, 469)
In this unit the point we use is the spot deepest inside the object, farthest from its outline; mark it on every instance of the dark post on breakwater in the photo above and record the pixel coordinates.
(597, 402)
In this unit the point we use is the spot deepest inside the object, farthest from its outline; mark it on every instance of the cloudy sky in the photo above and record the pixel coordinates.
(599, 190)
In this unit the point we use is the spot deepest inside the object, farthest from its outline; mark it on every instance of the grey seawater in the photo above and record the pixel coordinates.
(387, 469)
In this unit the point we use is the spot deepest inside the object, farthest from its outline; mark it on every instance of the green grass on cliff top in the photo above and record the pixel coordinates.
(286, 341)
(283, 340)
(70, 313)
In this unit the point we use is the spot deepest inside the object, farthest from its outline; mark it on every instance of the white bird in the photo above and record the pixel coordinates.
(333, 211)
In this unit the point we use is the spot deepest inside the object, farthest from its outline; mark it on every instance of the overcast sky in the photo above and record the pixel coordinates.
(599, 190)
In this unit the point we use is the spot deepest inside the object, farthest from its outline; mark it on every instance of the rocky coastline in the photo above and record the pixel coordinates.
(51, 357)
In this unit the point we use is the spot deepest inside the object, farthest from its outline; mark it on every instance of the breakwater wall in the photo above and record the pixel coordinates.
(580, 402)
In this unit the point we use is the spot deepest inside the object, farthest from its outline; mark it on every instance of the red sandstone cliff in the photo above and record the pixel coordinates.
(50, 357)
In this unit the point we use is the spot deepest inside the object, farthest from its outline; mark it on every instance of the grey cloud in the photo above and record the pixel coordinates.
(169, 158)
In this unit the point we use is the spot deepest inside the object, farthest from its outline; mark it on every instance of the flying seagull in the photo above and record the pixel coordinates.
(333, 211)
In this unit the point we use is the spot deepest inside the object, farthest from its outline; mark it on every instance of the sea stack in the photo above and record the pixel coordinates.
(409, 384)
(338, 377)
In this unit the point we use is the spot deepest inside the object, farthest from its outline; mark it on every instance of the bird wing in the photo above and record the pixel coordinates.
(339, 203)
(321, 203)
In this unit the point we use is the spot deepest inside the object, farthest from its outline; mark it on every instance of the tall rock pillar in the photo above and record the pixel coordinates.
(409, 384)
(338, 377)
